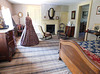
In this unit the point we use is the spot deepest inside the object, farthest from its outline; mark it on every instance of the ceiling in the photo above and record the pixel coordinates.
(56, 2)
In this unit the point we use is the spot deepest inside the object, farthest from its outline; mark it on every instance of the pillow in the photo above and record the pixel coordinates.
(91, 55)
(94, 57)
(96, 27)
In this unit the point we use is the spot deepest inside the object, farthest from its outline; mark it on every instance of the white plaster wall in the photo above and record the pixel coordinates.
(44, 10)
(94, 19)
(64, 8)
(6, 4)
(20, 8)
(58, 9)
(34, 12)
(72, 8)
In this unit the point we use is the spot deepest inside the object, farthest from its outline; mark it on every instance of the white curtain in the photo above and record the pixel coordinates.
(7, 17)
(35, 14)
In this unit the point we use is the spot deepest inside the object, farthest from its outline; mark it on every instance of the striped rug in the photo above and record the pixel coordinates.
(39, 59)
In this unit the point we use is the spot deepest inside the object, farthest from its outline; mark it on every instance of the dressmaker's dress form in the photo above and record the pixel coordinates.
(29, 37)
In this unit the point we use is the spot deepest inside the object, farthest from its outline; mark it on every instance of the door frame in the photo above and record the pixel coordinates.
(78, 18)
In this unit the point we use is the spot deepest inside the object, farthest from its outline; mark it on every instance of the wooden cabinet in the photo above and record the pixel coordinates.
(70, 30)
(7, 45)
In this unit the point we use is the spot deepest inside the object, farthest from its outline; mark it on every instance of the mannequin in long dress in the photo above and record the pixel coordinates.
(29, 37)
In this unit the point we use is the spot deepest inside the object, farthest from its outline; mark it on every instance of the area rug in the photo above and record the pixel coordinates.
(39, 59)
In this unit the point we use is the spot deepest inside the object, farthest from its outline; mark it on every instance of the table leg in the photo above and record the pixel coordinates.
(96, 37)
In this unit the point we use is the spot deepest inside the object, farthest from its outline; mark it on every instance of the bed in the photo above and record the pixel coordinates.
(78, 59)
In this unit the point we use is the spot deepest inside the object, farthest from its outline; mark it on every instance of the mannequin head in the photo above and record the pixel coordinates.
(27, 13)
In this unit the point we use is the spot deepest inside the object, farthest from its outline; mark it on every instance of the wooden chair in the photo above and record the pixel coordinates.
(61, 28)
(20, 29)
(64, 36)
(46, 35)
(95, 31)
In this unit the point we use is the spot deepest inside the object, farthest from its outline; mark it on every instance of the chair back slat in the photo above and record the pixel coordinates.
(40, 27)
(61, 26)
(45, 34)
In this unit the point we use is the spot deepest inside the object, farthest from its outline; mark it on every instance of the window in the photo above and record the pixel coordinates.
(7, 17)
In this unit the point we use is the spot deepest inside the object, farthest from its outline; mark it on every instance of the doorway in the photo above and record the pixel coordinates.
(78, 18)
(83, 22)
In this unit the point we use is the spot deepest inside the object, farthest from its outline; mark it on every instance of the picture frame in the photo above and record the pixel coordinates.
(51, 13)
(44, 16)
(57, 17)
(73, 14)
(98, 10)
(20, 14)
(84, 14)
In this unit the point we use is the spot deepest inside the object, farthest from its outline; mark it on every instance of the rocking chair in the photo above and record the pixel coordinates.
(46, 35)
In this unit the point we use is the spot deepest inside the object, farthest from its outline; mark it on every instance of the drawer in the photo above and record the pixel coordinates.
(9, 38)
(11, 44)
(7, 46)
(10, 33)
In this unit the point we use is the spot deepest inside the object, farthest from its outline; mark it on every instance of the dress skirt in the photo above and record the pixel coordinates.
(29, 36)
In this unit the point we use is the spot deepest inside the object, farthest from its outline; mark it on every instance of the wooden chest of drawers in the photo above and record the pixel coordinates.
(7, 45)
(71, 30)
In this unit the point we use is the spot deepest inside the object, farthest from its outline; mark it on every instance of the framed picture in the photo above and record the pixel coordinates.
(73, 14)
(57, 17)
(84, 14)
(98, 10)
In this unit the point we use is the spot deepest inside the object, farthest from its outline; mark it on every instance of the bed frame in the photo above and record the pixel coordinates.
(75, 59)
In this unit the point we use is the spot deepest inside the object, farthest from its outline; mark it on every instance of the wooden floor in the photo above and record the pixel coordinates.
(39, 59)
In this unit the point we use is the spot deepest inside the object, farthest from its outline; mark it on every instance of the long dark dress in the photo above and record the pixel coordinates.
(29, 37)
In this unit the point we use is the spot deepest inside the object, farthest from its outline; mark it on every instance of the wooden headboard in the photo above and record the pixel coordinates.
(76, 60)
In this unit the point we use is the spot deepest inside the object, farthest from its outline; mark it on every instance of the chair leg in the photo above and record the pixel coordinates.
(60, 58)
(51, 36)
(58, 37)
(96, 37)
